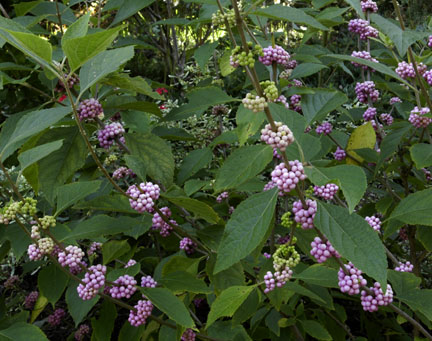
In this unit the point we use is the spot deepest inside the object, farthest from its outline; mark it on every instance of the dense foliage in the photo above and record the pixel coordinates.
(215, 170)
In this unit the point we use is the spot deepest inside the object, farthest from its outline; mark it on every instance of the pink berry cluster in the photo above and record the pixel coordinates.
(73, 79)
(82, 331)
(95, 246)
(386, 119)
(374, 222)
(123, 172)
(148, 282)
(143, 311)
(365, 91)
(363, 55)
(131, 262)
(378, 298)
(369, 114)
(324, 128)
(326, 192)
(142, 198)
(305, 216)
(269, 185)
(31, 299)
(362, 28)
(10, 282)
(188, 245)
(276, 155)
(406, 70)
(281, 138)
(339, 154)
(278, 279)
(282, 99)
(405, 267)
(222, 196)
(295, 103)
(395, 100)
(429, 41)
(72, 256)
(350, 283)
(188, 335)
(427, 174)
(34, 253)
(93, 280)
(109, 133)
(125, 287)
(369, 6)
(428, 77)
(159, 224)
(89, 109)
(274, 54)
(322, 251)
(285, 178)
(417, 118)
(55, 318)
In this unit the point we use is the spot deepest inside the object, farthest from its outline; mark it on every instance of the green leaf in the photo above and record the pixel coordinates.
(244, 163)
(174, 133)
(129, 103)
(129, 8)
(39, 306)
(319, 275)
(224, 64)
(18, 238)
(52, 282)
(204, 52)
(228, 302)
(316, 106)
(60, 165)
(351, 179)
(110, 203)
(354, 239)
(169, 304)
(298, 289)
(114, 249)
(77, 30)
(81, 49)
(415, 209)
(116, 273)
(401, 38)
(77, 307)
(194, 185)
(307, 69)
(181, 281)
(103, 326)
(246, 229)
(137, 165)
(197, 207)
(69, 194)
(30, 124)
(421, 154)
(21, 331)
(33, 155)
(248, 123)
(357, 6)
(362, 137)
(156, 155)
(179, 263)
(193, 162)
(137, 121)
(136, 84)
(200, 99)
(24, 7)
(424, 236)
(103, 64)
(291, 14)
(315, 330)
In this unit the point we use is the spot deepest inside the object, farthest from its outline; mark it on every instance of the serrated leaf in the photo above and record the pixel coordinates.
(77, 307)
(290, 14)
(307, 69)
(354, 239)
(224, 64)
(421, 154)
(33, 155)
(78, 29)
(197, 207)
(319, 275)
(136, 84)
(246, 228)
(248, 123)
(244, 163)
(351, 179)
(81, 49)
(362, 137)
(204, 52)
(193, 162)
(103, 327)
(169, 304)
(316, 106)
(69, 194)
(228, 302)
(137, 165)
(21, 331)
(129, 8)
(156, 155)
(415, 209)
(181, 281)
(357, 6)
(103, 64)
(316, 330)
(30, 124)
(114, 249)
(110, 203)
(52, 282)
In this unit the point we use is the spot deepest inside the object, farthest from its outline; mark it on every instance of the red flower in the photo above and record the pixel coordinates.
(62, 98)
(160, 91)
(162, 107)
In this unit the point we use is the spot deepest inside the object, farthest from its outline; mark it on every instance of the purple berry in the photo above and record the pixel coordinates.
(365, 91)
(188, 245)
(142, 199)
(93, 280)
(387, 119)
(363, 55)
(274, 54)
(295, 103)
(109, 133)
(159, 224)
(72, 256)
(89, 109)
(369, 6)
(305, 216)
(10, 282)
(374, 222)
(125, 287)
(282, 99)
(285, 178)
(95, 246)
(417, 118)
(123, 172)
(430, 41)
(130, 263)
(55, 318)
(369, 114)
(82, 331)
(188, 335)
(428, 77)
(148, 282)
(395, 100)
(322, 251)
(325, 128)
(34, 252)
(339, 154)
(222, 196)
(427, 174)
(143, 311)
(378, 298)
(351, 283)
(30, 300)
(405, 267)
(281, 138)
(326, 192)
(362, 28)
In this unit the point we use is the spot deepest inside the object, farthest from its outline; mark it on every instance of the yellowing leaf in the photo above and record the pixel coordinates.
(40, 304)
(362, 137)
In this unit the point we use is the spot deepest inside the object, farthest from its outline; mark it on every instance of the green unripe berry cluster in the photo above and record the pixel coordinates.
(254, 103)
(11, 210)
(286, 74)
(110, 159)
(219, 19)
(28, 206)
(286, 220)
(45, 245)
(48, 221)
(285, 256)
(270, 90)
(309, 193)
(242, 58)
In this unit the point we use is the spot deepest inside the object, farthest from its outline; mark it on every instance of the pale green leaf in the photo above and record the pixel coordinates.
(136, 84)
(69, 194)
(193, 162)
(316, 106)
(78, 29)
(415, 209)
(129, 8)
(307, 69)
(203, 54)
(35, 154)
(182, 281)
